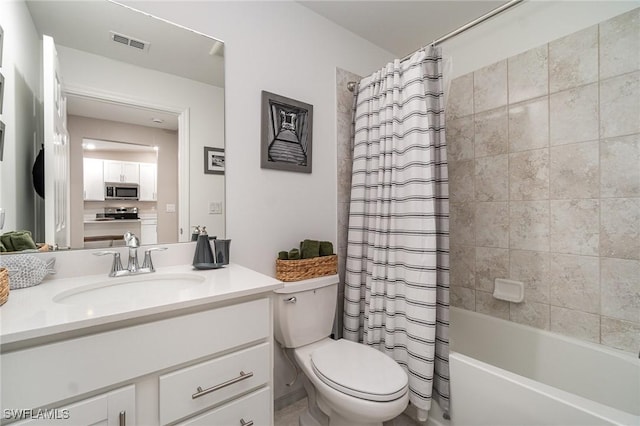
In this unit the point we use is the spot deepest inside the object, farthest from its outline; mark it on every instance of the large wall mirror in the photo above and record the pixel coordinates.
(126, 108)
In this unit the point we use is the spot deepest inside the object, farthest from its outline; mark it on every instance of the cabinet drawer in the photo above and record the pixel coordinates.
(255, 407)
(194, 388)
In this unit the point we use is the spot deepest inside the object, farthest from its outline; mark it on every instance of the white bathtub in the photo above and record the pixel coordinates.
(503, 373)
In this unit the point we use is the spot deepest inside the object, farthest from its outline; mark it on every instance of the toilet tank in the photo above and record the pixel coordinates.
(304, 311)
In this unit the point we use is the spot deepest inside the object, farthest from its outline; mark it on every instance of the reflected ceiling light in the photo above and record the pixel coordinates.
(155, 148)
(89, 146)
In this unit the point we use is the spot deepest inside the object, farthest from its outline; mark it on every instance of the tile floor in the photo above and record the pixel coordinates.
(288, 416)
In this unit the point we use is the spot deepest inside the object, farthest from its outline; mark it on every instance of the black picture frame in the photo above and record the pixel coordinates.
(214, 161)
(286, 134)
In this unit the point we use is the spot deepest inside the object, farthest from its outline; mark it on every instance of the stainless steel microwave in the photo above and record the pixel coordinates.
(121, 191)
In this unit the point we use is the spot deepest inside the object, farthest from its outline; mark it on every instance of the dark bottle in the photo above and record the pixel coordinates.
(203, 249)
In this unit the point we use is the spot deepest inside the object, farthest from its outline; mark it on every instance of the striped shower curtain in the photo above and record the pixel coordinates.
(397, 273)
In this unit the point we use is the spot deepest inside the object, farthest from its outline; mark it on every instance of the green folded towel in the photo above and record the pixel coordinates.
(2, 247)
(283, 255)
(21, 240)
(6, 241)
(17, 241)
(326, 248)
(294, 254)
(310, 248)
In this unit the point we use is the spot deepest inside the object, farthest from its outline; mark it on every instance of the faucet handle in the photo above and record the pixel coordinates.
(147, 262)
(131, 240)
(116, 266)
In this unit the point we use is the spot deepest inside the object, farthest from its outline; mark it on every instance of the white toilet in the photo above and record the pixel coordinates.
(347, 383)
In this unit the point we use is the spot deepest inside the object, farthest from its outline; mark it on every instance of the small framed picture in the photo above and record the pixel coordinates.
(1, 91)
(1, 43)
(287, 128)
(213, 161)
(1, 139)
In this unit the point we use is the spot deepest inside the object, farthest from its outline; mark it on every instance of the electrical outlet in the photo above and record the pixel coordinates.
(215, 207)
(171, 208)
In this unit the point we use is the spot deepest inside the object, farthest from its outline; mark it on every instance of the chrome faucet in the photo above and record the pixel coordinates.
(132, 242)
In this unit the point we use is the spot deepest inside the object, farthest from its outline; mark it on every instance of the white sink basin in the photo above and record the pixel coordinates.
(134, 290)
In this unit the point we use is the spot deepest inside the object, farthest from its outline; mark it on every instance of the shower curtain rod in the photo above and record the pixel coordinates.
(352, 84)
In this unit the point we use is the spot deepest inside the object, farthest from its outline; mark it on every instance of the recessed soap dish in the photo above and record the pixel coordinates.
(509, 290)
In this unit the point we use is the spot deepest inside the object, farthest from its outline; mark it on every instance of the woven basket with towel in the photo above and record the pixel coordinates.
(4, 285)
(313, 259)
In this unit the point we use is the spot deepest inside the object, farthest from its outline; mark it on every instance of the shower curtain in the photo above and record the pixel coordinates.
(397, 270)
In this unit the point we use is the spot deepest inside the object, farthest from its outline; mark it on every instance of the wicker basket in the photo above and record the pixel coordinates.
(303, 269)
(4, 285)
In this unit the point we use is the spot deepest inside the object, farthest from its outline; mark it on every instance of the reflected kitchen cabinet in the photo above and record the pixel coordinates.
(93, 179)
(121, 171)
(148, 182)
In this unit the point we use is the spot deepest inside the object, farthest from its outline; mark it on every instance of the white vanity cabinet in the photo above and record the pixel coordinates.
(93, 179)
(121, 171)
(115, 408)
(209, 367)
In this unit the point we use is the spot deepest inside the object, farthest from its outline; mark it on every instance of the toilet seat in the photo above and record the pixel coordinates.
(359, 371)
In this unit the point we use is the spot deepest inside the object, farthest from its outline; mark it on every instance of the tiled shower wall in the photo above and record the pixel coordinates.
(344, 99)
(544, 170)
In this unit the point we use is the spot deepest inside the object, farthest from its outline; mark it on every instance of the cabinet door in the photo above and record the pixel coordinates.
(113, 171)
(254, 409)
(93, 179)
(148, 185)
(130, 172)
(148, 232)
(116, 408)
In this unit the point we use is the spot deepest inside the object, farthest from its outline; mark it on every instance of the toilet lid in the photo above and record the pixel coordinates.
(359, 370)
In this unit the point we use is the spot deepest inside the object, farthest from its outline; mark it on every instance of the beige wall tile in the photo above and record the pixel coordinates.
(528, 74)
(620, 105)
(491, 263)
(574, 171)
(492, 178)
(532, 268)
(575, 282)
(620, 228)
(619, 334)
(620, 166)
(492, 224)
(460, 99)
(460, 139)
(487, 304)
(462, 224)
(574, 115)
(461, 178)
(573, 60)
(529, 125)
(576, 324)
(491, 133)
(620, 44)
(575, 226)
(529, 225)
(462, 266)
(529, 175)
(530, 313)
(462, 297)
(620, 287)
(490, 87)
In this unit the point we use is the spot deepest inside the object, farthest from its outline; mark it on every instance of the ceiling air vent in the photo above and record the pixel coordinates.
(123, 39)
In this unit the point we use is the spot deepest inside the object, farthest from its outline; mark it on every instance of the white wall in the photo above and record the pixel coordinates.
(20, 68)
(284, 48)
(206, 108)
(528, 25)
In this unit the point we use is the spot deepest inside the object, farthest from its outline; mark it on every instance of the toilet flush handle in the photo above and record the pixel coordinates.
(291, 300)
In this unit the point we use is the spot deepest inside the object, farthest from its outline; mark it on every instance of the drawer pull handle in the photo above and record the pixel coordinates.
(241, 377)
(122, 418)
(243, 423)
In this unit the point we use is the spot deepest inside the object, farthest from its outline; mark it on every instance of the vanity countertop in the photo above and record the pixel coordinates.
(32, 313)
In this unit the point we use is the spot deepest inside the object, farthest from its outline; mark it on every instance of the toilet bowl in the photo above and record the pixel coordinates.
(347, 383)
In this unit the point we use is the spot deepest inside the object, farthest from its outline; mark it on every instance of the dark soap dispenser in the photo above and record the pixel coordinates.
(203, 254)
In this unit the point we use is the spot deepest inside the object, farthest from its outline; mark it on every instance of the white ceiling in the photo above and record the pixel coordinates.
(398, 26)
